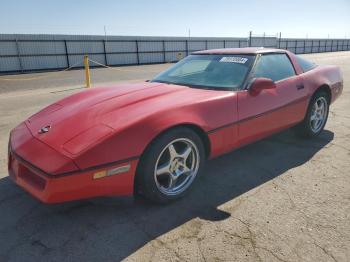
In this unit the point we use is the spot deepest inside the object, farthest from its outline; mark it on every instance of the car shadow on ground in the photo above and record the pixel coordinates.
(106, 229)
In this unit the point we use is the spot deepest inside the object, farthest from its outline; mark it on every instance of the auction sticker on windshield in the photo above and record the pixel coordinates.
(234, 59)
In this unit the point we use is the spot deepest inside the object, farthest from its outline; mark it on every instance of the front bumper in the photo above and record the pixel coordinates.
(71, 186)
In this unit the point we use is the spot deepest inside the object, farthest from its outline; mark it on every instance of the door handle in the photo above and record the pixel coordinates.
(300, 86)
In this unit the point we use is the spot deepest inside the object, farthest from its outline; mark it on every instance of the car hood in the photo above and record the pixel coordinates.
(93, 114)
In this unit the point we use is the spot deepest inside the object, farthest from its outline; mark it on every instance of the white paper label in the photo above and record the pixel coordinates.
(234, 59)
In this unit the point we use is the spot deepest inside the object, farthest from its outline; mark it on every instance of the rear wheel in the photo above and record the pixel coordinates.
(316, 116)
(170, 165)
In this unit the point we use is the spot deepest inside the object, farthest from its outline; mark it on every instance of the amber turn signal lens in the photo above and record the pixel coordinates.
(111, 172)
(100, 174)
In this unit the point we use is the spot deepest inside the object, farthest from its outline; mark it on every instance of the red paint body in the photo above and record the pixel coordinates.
(107, 127)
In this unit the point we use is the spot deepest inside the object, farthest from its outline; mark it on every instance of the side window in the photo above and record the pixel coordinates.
(305, 64)
(274, 66)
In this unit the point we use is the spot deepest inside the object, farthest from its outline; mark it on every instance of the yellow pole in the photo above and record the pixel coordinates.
(87, 71)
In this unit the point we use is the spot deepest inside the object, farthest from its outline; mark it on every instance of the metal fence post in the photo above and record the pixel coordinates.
(250, 39)
(337, 45)
(206, 44)
(319, 46)
(312, 46)
(19, 56)
(66, 51)
(187, 50)
(295, 48)
(137, 52)
(332, 45)
(279, 41)
(163, 43)
(264, 45)
(224, 43)
(104, 51)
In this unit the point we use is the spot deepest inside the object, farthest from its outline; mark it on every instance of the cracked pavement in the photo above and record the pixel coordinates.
(280, 199)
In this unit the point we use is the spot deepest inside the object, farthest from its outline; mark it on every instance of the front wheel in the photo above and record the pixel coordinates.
(170, 165)
(316, 116)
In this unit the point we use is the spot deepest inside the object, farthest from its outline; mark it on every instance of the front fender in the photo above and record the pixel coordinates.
(134, 130)
(130, 142)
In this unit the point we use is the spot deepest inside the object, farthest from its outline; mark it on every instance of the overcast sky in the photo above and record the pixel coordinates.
(296, 18)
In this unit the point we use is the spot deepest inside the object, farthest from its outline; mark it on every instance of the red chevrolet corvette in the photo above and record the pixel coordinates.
(152, 138)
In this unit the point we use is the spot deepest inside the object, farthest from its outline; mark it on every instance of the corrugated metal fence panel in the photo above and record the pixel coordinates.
(9, 64)
(197, 45)
(340, 45)
(150, 58)
(8, 48)
(93, 48)
(40, 62)
(174, 56)
(264, 41)
(299, 47)
(82, 47)
(314, 45)
(41, 48)
(322, 46)
(122, 59)
(343, 45)
(20, 53)
(329, 45)
(317, 46)
(38, 55)
(150, 46)
(150, 52)
(236, 44)
(125, 46)
(283, 44)
(78, 59)
(175, 46)
(123, 53)
(335, 45)
(215, 44)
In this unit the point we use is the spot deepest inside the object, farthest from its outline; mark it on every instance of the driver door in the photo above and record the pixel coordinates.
(272, 109)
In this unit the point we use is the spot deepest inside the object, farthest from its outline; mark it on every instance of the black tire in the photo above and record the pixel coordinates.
(146, 182)
(305, 129)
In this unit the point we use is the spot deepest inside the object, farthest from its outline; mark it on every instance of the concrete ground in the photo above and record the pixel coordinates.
(281, 199)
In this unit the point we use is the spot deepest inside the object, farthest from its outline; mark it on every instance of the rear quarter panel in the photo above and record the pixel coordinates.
(324, 75)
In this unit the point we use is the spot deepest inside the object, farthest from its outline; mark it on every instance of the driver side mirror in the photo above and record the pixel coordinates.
(259, 84)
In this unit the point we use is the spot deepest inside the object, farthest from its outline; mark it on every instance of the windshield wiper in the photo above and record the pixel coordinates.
(208, 87)
(161, 81)
(196, 86)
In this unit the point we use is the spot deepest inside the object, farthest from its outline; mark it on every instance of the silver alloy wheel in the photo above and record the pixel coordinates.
(177, 166)
(318, 114)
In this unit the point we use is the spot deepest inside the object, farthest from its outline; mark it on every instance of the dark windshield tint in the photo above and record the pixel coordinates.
(274, 66)
(305, 64)
(211, 71)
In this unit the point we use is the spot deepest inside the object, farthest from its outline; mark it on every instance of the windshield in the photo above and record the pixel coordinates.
(209, 71)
